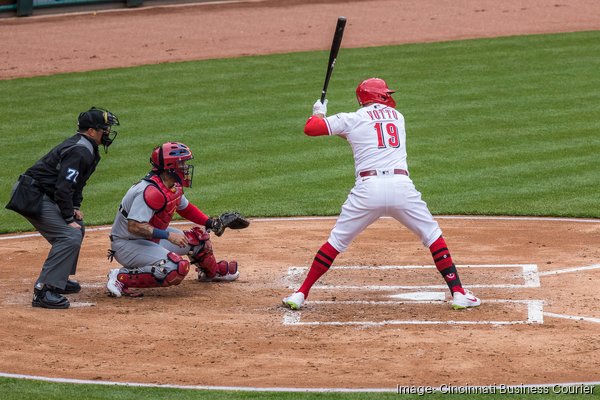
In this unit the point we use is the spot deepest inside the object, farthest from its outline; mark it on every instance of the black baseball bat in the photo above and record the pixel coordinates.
(335, 47)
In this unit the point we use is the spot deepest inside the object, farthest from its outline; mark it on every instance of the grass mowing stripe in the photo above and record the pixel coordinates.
(494, 118)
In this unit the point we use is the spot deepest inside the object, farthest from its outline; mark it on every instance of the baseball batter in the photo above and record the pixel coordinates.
(143, 243)
(383, 187)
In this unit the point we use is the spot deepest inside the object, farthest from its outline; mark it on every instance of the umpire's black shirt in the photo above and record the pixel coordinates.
(63, 172)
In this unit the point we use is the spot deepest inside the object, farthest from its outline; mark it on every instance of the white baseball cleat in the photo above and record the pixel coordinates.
(294, 301)
(115, 288)
(227, 277)
(218, 277)
(461, 301)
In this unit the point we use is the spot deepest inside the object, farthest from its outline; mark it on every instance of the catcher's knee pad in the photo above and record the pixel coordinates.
(168, 272)
(176, 276)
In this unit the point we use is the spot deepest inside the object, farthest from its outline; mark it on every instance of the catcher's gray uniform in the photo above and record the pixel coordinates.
(155, 259)
(154, 263)
(134, 251)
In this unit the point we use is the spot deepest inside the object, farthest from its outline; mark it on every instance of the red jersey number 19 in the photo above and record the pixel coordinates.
(393, 140)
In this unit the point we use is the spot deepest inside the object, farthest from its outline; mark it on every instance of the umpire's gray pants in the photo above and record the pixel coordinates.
(65, 241)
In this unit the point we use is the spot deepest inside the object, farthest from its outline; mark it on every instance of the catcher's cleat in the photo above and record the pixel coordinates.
(47, 297)
(460, 301)
(226, 272)
(72, 287)
(117, 288)
(294, 301)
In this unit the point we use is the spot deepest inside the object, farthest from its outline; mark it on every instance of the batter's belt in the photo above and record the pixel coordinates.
(373, 172)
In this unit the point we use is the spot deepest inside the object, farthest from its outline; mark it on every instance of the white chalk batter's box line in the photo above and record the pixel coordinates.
(529, 272)
(535, 314)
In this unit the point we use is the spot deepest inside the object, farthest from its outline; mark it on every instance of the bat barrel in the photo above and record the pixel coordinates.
(335, 47)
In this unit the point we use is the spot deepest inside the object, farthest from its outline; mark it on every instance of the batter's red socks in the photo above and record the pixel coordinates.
(323, 260)
(444, 264)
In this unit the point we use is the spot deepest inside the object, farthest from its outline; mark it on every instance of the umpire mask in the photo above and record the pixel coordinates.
(101, 120)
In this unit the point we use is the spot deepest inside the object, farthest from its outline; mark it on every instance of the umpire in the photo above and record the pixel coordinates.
(49, 195)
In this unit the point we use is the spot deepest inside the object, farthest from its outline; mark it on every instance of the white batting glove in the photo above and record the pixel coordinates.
(320, 108)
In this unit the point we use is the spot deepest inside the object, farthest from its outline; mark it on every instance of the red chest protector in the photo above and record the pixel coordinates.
(162, 200)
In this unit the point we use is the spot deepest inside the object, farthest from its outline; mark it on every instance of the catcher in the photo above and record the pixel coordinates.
(148, 249)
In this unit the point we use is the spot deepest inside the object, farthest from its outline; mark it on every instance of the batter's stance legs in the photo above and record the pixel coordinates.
(461, 298)
(444, 264)
(321, 263)
(325, 256)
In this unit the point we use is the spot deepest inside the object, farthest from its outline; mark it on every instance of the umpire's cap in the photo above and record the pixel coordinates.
(96, 118)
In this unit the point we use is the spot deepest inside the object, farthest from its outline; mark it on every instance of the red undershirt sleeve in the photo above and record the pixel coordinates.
(316, 126)
(193, 213)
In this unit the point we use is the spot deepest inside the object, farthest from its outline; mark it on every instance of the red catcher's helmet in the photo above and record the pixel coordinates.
(172, 157)
(374, 90)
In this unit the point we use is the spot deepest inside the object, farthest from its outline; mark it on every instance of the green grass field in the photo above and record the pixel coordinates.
(18, 389)
(495, 126)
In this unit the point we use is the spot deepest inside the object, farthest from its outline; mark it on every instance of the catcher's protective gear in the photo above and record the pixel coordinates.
(201, 250)
(100, 120)
(202, 256)
(230, 219)
(374, 90)
(162, 200)
(226, 272)
(167, 272)
(172, 157)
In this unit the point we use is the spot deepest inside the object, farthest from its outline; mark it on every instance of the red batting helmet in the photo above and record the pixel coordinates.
(172, 157)
(374, 90)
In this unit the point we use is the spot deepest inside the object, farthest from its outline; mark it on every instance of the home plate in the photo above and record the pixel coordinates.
(420, 296)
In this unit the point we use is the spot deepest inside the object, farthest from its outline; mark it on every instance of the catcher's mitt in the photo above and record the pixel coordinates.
(231, 220)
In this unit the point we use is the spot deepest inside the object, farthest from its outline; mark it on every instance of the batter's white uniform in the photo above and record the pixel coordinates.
(378, 139)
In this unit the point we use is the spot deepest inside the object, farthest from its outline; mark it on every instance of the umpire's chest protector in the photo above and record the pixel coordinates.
(162, 200)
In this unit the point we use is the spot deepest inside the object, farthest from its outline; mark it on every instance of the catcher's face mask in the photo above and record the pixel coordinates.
(185, 173)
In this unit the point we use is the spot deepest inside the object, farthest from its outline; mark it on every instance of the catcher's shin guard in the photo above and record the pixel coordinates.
(202, 256)
(207, 263)
(167, 272)
(226, 272)
(201, 251)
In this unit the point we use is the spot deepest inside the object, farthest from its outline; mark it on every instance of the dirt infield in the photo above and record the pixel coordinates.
(378, 320)
(237, 334)
(53, 44)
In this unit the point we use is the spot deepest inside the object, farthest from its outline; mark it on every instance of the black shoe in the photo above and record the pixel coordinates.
(72, 287)
(46, 297)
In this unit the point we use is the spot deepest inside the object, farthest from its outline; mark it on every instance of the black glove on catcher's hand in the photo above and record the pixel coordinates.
(231, 220)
